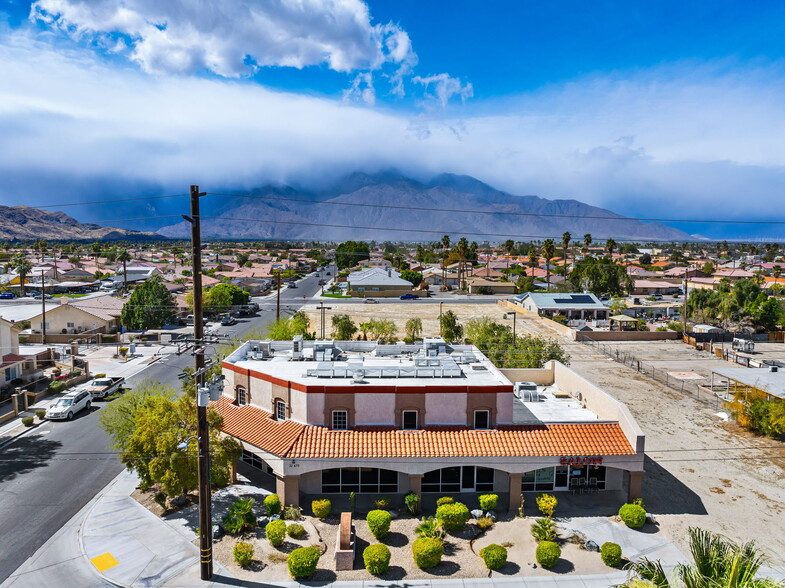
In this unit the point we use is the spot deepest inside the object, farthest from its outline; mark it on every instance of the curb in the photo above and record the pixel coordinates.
(24, 432)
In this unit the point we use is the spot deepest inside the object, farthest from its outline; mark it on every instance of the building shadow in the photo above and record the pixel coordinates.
(26, 454)
(664, 493)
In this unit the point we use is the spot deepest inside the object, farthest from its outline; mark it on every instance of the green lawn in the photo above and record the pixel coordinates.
(68, 295)
(328, 295)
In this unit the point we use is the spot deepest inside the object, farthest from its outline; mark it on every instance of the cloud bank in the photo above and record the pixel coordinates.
(677, 141)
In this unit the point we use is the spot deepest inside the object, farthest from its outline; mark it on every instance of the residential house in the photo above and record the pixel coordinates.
(327, 418)
(578, 306)
(377, 283)
(490, 286)
(654, 287)
(733, 274)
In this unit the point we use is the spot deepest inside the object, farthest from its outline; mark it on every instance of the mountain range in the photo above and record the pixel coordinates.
(391, 206)
(26, 223)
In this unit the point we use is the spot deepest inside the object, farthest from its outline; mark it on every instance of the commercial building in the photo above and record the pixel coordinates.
(332, 417)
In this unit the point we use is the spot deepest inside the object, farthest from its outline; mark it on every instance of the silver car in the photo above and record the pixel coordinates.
(67, 406)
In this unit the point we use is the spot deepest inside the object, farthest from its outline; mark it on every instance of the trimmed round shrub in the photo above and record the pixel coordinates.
(57, 387)
(27, 421)
(272, 504)
(488, 501)
(427, 552)
(243, 554)
(376, 558)
(633, 515)
(302, 562)
(276, 532)
(548, 553)
(321, 508)
(484, 523)
(494, 556)
(41, 414)
(379, 523)
(444, 500)
(610, 554)
(453, 516)
(295, 531)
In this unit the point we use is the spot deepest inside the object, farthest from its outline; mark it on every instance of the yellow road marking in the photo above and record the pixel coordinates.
(104, 562)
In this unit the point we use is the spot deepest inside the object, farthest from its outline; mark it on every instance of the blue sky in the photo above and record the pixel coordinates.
(648, 108)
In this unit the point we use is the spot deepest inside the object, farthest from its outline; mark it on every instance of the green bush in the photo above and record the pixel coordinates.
(41, 414)
(295, 530)
(291, 513)
(272, 504)
(430, 527)
(160, 499)
(57, 387)
(27, 421)
(243, 554)
(484, 523)
(382, 503)
(453, 516)
(240, 516)
(444, 500)
(610, 554)
(379, 523)
(302, 561)
(321, 508)
(276, 532)
(488, 501)
(548, 553)
(544, 530)
(376, 558)
(494, 556)
(412, 502)
(633, 515)
(427, 552)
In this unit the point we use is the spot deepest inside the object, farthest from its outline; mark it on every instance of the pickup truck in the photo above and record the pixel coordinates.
(102, 387)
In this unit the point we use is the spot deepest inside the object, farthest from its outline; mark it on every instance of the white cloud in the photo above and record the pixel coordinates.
(679, 141)
(361, 89)
(445, 87)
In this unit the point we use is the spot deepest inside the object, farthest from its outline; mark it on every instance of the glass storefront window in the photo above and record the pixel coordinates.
(362, 480)
(457, 479)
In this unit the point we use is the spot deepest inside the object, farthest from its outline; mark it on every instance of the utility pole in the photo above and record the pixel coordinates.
(278, 296)
(684, 312)
(203, 434)
(43, 309)
(322, 308)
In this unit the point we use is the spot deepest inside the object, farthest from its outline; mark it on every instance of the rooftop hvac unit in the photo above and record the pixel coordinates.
(526, 391)
(773, 368)
(297, 347)
(357, 376)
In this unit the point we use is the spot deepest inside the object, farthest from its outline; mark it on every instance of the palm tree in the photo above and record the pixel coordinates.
(446, 242)
(717, 561)
(23, 266)
(610, 245)
(509, 245)
(547, 251)
(565, 243)
(125, 257)
(587, 241)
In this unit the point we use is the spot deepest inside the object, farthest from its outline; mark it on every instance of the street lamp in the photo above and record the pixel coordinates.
(184, 443)
(514, 317)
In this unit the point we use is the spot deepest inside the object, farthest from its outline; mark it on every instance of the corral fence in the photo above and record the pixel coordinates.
(683, 386)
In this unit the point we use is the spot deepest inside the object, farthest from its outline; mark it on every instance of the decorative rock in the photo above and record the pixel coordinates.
(592, 546)
(491, 514)
(262, 521)
(533, 565)
(476, 513)
(218, 531)
(179, 501)
(394, 514)
(275, 517)
(650, 518)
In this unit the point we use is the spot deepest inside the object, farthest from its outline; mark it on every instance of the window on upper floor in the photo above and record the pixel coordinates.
(409, 420)
(482, 419)
(242, 396)
(340, 420)
(280, 410)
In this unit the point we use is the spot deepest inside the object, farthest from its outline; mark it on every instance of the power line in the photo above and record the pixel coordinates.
(112, 201)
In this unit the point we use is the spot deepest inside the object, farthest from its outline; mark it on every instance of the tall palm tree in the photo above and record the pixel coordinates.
(124, 257)
(446, 242)
(509, 245)
(548, 249)
(23, 266)
(565, 243)
(717, 562)
(610, 245)
(587, 240)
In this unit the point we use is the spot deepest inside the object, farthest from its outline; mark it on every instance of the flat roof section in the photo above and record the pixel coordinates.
(772, 383)
(553, 406)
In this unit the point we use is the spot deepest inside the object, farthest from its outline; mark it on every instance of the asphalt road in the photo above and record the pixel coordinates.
(48, 475)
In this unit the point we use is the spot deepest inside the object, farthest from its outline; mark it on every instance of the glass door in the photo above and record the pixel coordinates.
(561, 478)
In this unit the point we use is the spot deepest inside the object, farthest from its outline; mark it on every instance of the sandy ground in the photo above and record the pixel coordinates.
(461, 559)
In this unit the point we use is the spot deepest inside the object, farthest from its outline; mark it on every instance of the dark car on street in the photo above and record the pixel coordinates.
(409, 297)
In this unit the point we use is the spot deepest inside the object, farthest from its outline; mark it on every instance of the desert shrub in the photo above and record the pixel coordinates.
(272, 504)
(639, 502)
(544, 530)
(41, 414)
(27, 421)
(295, 531)
(276, 532)
(379, 523)
(484, 523)
(412, 502)
(321, 508)
(610, 554)
(243, 554)
(57, 387)
(376, 558)
(444, 500)
(632, 515)
(548, 553)
(382, 503)
(453, 516)
(494, 556)
(240, 516)
(427, 552)
(547, 504)
(302, 562)
(488, 501)
(291, 513)
(430, 527)
(160, 499)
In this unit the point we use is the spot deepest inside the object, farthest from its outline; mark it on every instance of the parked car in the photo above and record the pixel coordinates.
(371, 301)
(70, 404)
(409, 297)
(103, 387)
(190, 320)
(7, 296)
(292, 284)
(40, 296)
(228, 320)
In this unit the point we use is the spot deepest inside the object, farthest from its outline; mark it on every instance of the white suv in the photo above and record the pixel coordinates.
(67, 406)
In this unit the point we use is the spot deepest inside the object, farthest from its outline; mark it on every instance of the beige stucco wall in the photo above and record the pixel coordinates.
(504, 408)
(58, 319)
(445, 409)
(374, 409)
(9, 339)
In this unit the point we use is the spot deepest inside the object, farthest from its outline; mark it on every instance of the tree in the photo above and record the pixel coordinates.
(600, 276)
(495, 340)
(708, 268)
(587, 240)
(241, 259)
(412, 276)
(343, 327)
(350, 253)
(124, 257)
(150, 306)
(95, 249)
(413, 329)
(381, 330)
(548, 249)
(40, 246)
(565, 242)
(222, 297)
(286, 328)
(610, 246)
(23, 266)
(716, 561)
(446, 242)
(645, 259)
(449, 327)
(509, 246)
(117, 417)
(525, 284)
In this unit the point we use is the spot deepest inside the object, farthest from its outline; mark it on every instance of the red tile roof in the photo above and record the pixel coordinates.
(257, 426)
